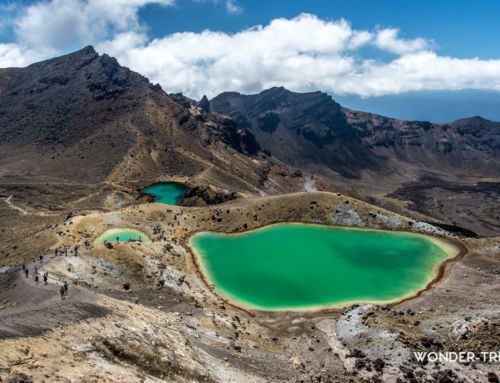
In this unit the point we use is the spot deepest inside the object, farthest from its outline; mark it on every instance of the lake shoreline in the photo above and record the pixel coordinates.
(167, 197)
(115, 232)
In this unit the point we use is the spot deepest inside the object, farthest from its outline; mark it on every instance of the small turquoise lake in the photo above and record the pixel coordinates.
(169, 193)
(122, 235)
(305, 266)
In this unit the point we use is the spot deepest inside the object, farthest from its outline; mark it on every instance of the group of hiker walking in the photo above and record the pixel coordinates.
(63, 290)
(35, 268)
(45, 275)
(64, 251)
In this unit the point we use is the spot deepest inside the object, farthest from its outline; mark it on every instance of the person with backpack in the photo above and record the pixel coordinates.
(26, 271)
(45, 277)
(65, 286)
(36, 279)
(61, 291)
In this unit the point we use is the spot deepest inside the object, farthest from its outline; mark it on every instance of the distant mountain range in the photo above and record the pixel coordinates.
(436, 106)
(312, 131)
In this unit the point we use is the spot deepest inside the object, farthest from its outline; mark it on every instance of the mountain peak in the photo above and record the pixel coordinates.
(471, 120)
(276, 89)
(88, 50)
(79, 58)
(204, 103)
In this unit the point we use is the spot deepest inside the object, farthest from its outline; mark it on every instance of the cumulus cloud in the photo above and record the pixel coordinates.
(388, 40)
(60, 23)
(15, 55)
(47, 28)
(303, 53)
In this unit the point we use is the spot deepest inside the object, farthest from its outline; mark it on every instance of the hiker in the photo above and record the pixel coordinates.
(36, 269)
(45, 277)
(65, 286)
(36, 279)
(117, 239)
(41, 258)
(76, 251)
(57, 250)
(24, 267)
(61, 291)
(26, 271)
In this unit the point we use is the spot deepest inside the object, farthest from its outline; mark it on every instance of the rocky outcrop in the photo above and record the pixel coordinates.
(206, 195)
(204, 104)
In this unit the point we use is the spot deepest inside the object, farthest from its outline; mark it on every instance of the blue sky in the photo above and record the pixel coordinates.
(461, 28)
(364, 48)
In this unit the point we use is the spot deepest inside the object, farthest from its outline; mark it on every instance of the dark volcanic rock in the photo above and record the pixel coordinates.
(205, 195)
(378, 364)
(312, 131)
(240, 139)
(493, 378)
(204, 104)
(464, 147)
(70, 109)
(19, 378)
(299, 129)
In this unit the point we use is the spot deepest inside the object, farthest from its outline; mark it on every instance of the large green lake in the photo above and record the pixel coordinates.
(301, 266)
(169, 193)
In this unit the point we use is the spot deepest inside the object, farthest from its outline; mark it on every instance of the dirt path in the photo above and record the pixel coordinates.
(34, 309)
(12, 206)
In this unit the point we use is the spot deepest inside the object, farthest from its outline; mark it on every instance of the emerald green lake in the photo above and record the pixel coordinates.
(300, 266)
(169, 193)
(123, 235)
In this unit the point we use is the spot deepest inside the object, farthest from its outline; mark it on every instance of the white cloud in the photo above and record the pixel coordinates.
(233, 7)
(388, 40)
(304, 53)
(63, 23)
(16, 55)
(48, 28)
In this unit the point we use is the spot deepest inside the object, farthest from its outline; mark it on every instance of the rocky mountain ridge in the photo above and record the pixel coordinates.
(312, 130)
